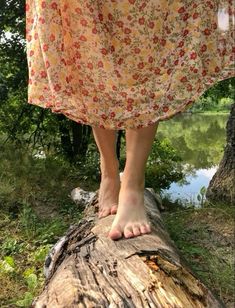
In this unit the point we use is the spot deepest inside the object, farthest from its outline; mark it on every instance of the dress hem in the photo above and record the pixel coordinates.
(120, 124)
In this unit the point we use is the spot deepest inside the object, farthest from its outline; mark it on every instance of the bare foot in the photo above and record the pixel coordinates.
(131, 219)
(108, 195)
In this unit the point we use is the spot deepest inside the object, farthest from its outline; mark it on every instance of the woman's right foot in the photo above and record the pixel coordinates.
(109, 190)
(108, 196)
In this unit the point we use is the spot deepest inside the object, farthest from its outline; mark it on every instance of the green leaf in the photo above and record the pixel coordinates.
(28, 272)
(7, 265)
(10, 260)
(32, 281)
(26, 301)
(203, 190)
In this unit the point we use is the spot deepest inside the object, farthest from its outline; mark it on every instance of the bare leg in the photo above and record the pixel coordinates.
(109, 165)
(131, 219)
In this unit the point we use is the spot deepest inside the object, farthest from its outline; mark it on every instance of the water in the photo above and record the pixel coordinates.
(200, 140)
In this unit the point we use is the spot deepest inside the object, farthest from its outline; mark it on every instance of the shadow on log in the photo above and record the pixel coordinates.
(87, 269)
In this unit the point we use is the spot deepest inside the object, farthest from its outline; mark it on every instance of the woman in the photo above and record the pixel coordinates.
(126, 65)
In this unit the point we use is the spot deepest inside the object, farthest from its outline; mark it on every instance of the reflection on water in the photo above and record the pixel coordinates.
(200, 141)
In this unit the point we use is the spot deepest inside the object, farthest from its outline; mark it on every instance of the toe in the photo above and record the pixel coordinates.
(114, 209)
(128, 232)
(145, 228)
(115, 233)
(100, 213)
(148, 228)
(136, 230)
(104, 213)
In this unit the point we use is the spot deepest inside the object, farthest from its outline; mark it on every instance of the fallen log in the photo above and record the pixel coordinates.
(87, 269)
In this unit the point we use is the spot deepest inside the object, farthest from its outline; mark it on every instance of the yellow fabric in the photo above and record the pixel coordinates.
(121, 64)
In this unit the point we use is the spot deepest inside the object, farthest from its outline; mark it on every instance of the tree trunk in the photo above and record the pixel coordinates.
(81, 136)
(222, 184)
(74, 137)
(65, 138)
(87, 269)
(120, 134)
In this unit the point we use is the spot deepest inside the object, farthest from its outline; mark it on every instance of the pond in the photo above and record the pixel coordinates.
(200, 140)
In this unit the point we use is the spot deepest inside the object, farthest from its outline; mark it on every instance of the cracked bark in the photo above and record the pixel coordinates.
(87, 269)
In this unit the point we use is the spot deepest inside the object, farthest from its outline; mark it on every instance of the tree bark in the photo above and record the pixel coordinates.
(87, 269)
(222, 185)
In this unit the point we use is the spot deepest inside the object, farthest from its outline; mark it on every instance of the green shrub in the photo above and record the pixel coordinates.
(163, 166)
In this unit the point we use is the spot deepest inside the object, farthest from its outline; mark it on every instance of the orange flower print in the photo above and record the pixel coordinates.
(126, 64)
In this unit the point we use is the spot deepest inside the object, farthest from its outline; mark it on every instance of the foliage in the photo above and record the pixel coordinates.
(35, 210)
(25, 243)
(194, 137)
(201, 195)
(22, 250)
(27, 124)
(37, 127)
(11, 246)
(21, 176)
(35, 179)
(217, 98)
(164, 165)
(205, 239)
(13, 64)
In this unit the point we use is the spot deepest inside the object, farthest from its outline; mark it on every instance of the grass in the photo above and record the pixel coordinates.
(205, 238)
(217, 112)
(35, 210)
(25, 242)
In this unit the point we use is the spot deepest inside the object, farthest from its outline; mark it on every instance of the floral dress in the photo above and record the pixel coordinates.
(121, 64)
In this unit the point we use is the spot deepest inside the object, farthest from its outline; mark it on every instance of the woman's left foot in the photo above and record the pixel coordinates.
(131, 218)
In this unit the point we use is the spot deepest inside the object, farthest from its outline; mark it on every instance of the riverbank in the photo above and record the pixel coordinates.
(35, 211)
(211, 112)
(204, 237)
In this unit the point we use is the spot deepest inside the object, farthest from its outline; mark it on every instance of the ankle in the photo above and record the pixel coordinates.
(133, 184)
(110, 170)
(110, 179)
